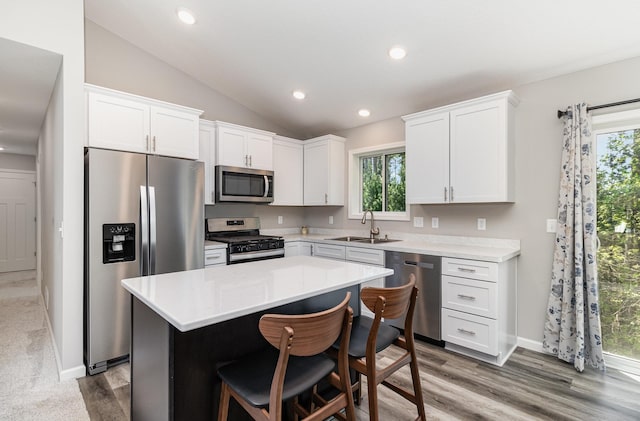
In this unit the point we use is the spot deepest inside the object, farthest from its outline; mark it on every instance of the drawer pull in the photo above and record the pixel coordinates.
(466, 332)
(215, 256)
(467, 297)
(467, 270)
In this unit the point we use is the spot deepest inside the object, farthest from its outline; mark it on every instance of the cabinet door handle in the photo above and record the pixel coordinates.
(146, 142)
(466, 332)
(467, 270)
(154, 143)
(467, 297)
(251, 160)
(451, 190)
(246, 162)
(445, 193)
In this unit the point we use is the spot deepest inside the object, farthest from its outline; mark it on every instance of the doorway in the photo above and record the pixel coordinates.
(17, 221)
(618, 227)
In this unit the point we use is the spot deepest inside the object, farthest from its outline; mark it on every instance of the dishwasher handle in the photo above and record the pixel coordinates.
(419, 264)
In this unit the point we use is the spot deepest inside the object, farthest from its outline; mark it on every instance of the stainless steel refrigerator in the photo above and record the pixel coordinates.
(144, 215)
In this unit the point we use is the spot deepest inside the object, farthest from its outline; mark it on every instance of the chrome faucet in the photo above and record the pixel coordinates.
(373, 231)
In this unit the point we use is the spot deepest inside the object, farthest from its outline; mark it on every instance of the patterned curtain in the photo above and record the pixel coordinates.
(572, 328)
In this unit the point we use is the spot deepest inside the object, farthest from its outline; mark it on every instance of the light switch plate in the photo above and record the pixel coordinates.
(552, 225)
(331, 220)
(418, 221)
(482, 224)
(280, 219)
(435, 222)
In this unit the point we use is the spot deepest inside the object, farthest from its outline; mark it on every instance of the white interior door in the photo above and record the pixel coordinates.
(17, 221)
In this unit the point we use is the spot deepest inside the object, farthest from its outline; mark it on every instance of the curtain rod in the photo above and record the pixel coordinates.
(597, 107)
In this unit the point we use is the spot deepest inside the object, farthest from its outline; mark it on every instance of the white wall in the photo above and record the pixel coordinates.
(58, 27)
(538, 151)
(10, 161)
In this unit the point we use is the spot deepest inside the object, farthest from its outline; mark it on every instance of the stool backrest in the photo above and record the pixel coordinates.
(312, 333)
(397, 299)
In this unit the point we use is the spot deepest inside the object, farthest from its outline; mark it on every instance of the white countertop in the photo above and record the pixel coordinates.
(213, 245)
(474, 248)
(196, 298)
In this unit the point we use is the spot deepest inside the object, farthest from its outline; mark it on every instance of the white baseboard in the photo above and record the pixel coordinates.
(531, 345)
(70, 373)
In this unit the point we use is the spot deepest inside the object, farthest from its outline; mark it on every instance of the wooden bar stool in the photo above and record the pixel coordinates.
(261, 382)
(370, 336)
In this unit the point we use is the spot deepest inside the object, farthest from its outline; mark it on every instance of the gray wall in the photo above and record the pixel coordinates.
(10, 161)
(115, 63)
(538, 149)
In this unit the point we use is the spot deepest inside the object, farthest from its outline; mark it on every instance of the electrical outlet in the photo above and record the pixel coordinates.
(418, 221)
(331, 220)
(435, 222)
(280, 219)
(482, 224)
(552, 225)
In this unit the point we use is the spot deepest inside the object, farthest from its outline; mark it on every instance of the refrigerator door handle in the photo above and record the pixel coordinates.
(144, 231)
(152, 230)
(267, 186)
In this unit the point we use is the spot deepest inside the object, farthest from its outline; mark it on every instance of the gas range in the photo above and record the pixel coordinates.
(244, 239)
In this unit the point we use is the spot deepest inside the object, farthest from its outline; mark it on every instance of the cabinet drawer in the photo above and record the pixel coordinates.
(215, 257)
(327, 250)
(470, 295)
(470, 331)
(365, 255)
(473, 269)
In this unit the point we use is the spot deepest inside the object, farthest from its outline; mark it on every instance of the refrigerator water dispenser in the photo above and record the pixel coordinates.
(118, 243)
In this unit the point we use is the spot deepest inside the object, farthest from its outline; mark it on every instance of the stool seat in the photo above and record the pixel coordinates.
(251, 376)
(360, 335)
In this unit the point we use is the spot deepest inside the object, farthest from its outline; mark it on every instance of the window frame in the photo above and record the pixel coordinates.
(355, 177)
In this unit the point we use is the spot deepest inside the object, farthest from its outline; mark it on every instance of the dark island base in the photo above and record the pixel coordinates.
(173, 373)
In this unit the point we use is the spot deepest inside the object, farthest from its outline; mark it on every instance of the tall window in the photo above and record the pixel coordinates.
(378, 182)
(618, 227)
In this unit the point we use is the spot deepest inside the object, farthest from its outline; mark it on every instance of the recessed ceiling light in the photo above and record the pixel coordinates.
(364, 113)
(186, 16)
(299, 94)
(1, 148)
(397, 53)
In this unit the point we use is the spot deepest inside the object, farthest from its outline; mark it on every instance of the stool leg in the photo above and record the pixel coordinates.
(372, 388)
(417, 387)
(223, 409)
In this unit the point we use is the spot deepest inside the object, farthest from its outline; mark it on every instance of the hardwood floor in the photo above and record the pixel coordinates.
(530, 386)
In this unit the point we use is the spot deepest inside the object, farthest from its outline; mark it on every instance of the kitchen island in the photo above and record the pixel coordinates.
(185, 324)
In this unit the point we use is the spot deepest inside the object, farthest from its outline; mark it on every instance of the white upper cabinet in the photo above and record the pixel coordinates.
(121, 121)
(239, 146)
(288, 159)
(427, 155)
(324, 171)
(462, 153)
(208, 156)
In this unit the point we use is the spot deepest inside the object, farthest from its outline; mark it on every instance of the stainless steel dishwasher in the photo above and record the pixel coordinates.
(428, 271)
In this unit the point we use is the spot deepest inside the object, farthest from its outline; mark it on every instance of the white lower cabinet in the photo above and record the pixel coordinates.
(479, 308)
(297, 248)
(368, 256)
(215, 257)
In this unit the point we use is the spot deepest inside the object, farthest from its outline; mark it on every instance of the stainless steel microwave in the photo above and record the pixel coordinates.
(236, 184)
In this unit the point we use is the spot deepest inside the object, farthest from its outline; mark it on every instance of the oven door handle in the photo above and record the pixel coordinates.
(267, 186)
(238, 257)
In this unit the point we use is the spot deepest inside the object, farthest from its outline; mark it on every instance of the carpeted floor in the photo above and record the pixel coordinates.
(29, 384)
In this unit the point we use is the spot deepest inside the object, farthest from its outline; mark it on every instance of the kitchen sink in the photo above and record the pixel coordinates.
(376, 240)
(349, 238)
(364, 240)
